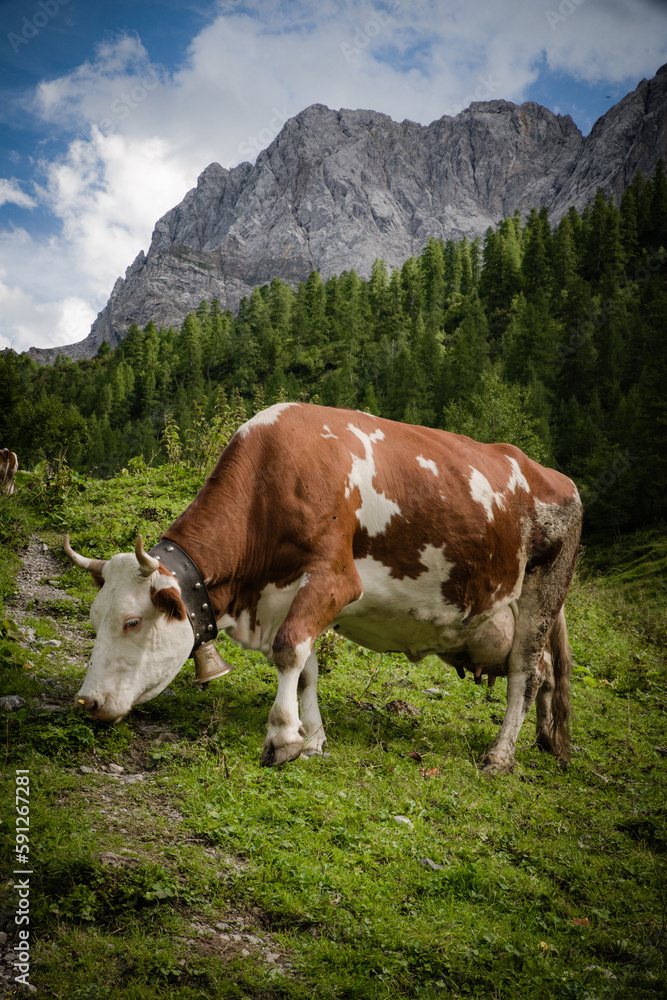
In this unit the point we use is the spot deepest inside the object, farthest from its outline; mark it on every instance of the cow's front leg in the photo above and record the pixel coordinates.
(315, 605)
(310, 710)
(286, 735)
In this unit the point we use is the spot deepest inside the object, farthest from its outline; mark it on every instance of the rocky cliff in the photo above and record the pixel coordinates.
(336, 189)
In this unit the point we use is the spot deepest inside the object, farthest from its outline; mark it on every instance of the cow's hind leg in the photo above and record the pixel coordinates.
(552, 702)
(523, 682)
(539, 618)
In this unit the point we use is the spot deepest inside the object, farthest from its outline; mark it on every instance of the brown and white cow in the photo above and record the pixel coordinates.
(402, 538)
(9, 464)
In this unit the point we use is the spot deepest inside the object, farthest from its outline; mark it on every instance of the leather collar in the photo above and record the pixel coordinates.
(193, 589)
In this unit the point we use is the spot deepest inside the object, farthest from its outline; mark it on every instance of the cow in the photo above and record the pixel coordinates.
(401, 538)
(9, 464)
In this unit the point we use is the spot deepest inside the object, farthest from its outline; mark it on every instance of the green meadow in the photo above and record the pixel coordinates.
(167, 863)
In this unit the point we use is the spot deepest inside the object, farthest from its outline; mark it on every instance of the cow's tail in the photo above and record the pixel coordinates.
(561, 655)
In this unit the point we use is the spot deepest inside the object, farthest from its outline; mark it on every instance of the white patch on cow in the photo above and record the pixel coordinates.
(284, 727)
(517, 478)
(160, 582)
(376, 509)
(482, 492)
(328, 434)
(264, 418)
(411, 616)
(428, 463)
(225, 623)
(310, 712)
(240, 631)
(405, 615)
(302, 650)
(273, 607)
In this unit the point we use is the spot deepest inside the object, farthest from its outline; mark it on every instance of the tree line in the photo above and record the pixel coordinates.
(551, 337)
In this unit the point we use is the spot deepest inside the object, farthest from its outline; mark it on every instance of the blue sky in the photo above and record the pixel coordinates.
(109, 112)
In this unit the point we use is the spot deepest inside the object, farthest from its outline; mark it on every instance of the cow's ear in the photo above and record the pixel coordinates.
(98, 579)
(168, 600)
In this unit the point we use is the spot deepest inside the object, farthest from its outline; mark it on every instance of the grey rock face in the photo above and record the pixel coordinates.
(337, 189)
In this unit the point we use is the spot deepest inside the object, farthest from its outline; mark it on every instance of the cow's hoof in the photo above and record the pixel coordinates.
(543, 742)
(271, 756)
(493, 766)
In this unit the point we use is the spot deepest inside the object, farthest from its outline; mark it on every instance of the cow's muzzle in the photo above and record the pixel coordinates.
(95, 706)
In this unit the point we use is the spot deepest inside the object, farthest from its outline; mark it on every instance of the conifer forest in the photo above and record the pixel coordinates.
(551, 337)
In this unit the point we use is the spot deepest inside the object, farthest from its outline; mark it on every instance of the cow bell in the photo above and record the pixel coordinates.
(209, 664)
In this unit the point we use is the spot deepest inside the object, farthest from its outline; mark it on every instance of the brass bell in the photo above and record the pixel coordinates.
(209, 664)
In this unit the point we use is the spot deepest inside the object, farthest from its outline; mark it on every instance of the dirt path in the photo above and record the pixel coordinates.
(123, 795)
(35, 593)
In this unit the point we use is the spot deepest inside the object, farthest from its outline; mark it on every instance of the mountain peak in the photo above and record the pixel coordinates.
(337, 189)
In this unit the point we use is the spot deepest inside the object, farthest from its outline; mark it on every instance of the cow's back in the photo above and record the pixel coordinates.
(396, 490)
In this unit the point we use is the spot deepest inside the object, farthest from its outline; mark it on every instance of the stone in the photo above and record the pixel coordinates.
(337, 189)
(428, 863)
(10, 702)
(400, 707)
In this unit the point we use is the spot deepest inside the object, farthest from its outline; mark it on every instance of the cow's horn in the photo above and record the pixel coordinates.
(147, 564)
(92, 565)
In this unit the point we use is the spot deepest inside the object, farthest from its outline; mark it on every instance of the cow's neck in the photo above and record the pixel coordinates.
(213, 531)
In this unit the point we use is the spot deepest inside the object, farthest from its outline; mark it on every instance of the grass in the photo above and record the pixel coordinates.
(392, 868)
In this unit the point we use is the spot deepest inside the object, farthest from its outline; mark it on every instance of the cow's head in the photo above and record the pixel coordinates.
(143, 633)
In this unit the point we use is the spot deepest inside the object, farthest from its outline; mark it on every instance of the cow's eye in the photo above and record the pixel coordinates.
(131, 623)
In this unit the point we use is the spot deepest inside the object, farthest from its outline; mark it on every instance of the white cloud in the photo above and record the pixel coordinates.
(36, 307)
(47, 324)
(145, 132)
(11, 193)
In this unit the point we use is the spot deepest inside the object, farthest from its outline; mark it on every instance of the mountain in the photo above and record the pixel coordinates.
(336, 189)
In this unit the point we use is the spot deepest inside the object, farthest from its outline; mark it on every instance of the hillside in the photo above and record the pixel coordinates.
(338, 189)
(550, 338)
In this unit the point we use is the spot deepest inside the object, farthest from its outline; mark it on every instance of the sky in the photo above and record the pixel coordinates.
(109, 112)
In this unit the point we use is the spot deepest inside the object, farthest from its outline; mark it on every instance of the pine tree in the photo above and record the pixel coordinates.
(535, 270)
(658, 231)
(498, 412)
(564, 256)
(467, 356)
